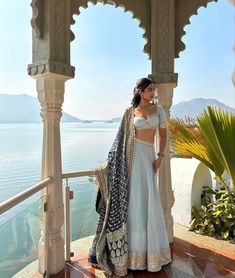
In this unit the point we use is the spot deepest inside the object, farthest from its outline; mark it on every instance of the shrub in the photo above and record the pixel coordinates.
(216, 215)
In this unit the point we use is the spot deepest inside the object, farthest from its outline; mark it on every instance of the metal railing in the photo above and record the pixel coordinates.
(68, 195)
(78, 174)
(20, 197)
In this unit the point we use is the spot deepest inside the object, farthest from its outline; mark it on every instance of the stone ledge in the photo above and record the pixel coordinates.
(82, 246)
(222, 247)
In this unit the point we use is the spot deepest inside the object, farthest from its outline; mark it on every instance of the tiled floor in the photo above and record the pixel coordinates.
(189, 260)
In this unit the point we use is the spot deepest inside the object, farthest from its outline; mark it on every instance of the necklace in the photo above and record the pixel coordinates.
(144, 107)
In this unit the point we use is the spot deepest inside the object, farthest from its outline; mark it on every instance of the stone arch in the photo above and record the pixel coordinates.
(202, 177)
(135, 13)
(183, 19)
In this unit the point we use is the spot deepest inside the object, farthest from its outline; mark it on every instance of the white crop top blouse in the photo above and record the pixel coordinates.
(153, 121)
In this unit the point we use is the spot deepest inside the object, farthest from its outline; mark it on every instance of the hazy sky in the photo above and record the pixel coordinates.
(107, 53)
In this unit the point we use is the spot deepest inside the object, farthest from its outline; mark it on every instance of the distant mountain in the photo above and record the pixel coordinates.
(192, 108)
(24, 109)
(196, 106)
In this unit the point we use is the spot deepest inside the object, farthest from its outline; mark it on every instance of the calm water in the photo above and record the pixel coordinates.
(84, 146)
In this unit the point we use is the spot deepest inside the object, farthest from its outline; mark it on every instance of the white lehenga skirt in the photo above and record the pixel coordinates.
(148, 245)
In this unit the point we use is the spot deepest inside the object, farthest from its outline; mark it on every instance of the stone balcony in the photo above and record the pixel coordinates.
(193, 256)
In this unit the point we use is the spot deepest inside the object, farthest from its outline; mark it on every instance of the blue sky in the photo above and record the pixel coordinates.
(107, 53)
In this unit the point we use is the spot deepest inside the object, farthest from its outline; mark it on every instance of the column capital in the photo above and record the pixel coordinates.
(51, 75)
(49, 66)
(165, 95)
(50, 88)
(165, 78)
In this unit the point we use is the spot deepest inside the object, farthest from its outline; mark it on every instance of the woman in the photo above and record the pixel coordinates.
(131, 230)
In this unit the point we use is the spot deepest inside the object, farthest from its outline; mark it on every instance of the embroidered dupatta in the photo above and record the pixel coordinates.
(110, 242)
(110, 247)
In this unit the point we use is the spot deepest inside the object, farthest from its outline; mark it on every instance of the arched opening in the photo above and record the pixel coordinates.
(205, 67)
(98, 95)
(103, 85)
(101, 80)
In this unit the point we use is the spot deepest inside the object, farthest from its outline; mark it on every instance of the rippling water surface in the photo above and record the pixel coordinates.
(84, 146)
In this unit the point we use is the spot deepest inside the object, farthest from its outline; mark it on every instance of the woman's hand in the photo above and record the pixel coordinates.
(156, 163)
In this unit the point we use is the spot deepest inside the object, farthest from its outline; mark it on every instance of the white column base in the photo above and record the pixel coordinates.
(165, 94)
(51, 258)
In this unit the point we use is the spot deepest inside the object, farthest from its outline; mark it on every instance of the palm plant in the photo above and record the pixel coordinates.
(211, 139)
(218, 128)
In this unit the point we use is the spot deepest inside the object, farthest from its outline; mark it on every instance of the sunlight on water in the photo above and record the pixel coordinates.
(84, 146)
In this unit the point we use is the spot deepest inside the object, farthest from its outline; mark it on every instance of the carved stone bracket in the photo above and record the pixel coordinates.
(140, 10)
(165, 78)
(51, 26)
(60, 31)
(51, 66)
(183, 11)
(163, 35)
(37, 18)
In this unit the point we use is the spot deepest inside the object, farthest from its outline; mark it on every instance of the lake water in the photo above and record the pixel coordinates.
(83, 146)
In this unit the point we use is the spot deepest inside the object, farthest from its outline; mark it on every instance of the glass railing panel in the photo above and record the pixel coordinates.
(83, 214)
(21, 233)
(19, 240)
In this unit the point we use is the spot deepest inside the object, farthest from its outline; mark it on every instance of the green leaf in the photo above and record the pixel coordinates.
(217, 221)
(192, 224)
(194, 210)
(207, 221)
(218, 127)
(226, 234)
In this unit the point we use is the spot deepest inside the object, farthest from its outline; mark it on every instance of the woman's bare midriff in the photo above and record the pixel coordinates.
(145, 135)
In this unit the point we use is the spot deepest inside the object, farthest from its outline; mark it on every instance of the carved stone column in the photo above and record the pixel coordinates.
(50, 88)
(165, 94)
(162, 55)
(51, 68)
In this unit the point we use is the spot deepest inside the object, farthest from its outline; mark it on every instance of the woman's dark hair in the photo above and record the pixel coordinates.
(141, 85)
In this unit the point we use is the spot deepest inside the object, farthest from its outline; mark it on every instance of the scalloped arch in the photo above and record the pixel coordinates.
(77, 4)
(184, 11)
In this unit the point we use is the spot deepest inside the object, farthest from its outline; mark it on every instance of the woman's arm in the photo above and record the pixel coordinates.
(162, 145)
(162, 137)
